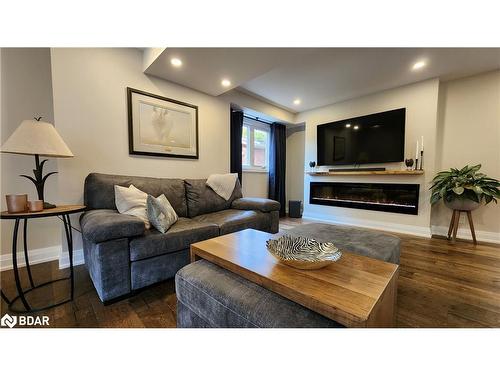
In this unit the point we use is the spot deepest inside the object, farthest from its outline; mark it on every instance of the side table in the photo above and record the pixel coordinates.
(63, 212)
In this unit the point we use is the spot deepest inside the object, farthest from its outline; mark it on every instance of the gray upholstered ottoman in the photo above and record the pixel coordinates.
(210, 296)
(370, 243)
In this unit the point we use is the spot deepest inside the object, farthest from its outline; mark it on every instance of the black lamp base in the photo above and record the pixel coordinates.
(39, 181)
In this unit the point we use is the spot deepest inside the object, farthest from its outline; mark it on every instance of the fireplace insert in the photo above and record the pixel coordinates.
(399, 198)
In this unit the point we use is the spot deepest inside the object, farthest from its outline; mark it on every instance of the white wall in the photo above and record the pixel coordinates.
(295, 165)
(469, 133)
(26, 92)
(420, 100)
(255, 184)
(90, 111)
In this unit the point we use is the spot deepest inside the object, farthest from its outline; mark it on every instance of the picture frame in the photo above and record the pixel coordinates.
(161, 127)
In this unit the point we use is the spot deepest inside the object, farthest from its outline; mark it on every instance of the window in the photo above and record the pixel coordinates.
(255, 146)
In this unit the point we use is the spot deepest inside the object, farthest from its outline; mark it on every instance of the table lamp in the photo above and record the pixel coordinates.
(35, 137)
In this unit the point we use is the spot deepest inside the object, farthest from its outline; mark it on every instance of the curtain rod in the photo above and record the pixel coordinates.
(257, 119)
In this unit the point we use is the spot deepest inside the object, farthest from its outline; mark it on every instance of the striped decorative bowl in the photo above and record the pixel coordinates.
(303, 253)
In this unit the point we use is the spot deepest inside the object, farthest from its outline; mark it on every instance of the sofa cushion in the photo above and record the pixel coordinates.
(99, 190)
(261, 204)
(105, 225)
(210, 296)
(201, 199)
(232, 220)
(180, 235)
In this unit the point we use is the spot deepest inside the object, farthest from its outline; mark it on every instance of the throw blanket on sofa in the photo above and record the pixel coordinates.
(223, 184)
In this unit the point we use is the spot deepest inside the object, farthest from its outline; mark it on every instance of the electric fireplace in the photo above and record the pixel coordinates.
(399, 198)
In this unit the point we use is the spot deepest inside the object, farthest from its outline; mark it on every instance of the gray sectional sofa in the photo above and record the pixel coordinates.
(122, 256)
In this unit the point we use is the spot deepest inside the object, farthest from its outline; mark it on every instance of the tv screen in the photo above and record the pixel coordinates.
(375, 138)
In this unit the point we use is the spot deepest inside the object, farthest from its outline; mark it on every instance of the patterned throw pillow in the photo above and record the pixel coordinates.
(160, 212)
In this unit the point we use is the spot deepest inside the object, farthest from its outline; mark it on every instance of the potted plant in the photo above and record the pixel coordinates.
(464, 189)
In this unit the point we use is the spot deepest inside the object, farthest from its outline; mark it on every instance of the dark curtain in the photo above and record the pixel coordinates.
(236, 130)
(277, 164)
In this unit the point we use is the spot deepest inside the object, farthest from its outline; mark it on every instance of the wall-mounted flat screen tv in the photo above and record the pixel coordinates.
(375, 138)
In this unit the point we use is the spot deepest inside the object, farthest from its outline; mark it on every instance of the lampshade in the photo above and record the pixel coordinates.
(37, 138)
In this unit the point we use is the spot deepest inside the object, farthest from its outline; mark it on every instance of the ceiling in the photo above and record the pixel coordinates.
(203, 69)
(316, 76)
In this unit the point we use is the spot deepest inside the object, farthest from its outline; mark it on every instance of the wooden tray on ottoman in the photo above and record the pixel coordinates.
(356, 291)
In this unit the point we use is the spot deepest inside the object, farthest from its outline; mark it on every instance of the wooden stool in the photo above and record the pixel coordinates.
(455, 218)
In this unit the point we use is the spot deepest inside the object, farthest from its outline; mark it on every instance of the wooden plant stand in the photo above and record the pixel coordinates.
(455, 218)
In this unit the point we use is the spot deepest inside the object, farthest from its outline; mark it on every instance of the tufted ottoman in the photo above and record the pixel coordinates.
(211, 296)
(370, 243)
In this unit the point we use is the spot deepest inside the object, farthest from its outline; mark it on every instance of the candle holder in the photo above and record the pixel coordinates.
(35, 206)
(409, 164)
(421, 159)
(17, 203)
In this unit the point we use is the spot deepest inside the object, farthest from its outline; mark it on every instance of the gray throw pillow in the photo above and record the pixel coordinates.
(160, 213)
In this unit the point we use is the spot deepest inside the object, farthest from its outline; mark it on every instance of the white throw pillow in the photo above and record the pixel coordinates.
(132, 201)
(223, 184)
(161, 214)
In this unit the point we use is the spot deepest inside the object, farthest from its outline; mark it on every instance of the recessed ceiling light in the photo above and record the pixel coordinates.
(356, 127)
(419, 65)
(347, 125)
(225, 83)
(176, 62)
(297, 101)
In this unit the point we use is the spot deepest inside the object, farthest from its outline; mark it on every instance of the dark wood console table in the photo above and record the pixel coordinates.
(389, 172)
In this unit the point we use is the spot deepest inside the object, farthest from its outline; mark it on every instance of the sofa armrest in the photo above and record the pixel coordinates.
(105, 225)
(260, 204)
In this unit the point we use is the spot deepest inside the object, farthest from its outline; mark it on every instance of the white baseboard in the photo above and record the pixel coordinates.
(36, 256)
(42, 255)
(77, 258)
(389, 227)
(464, 233)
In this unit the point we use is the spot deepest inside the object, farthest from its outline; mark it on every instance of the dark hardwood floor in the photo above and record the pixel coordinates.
(440, 285)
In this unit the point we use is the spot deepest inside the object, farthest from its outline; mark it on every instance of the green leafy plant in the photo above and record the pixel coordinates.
(465, 183)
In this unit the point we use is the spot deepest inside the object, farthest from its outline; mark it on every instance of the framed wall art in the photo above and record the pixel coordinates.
(160, 126)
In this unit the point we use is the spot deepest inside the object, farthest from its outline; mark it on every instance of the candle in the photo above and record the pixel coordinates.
(422, 143)
(416, 153)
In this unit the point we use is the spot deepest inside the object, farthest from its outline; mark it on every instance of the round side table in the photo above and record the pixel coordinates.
(62, 211)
